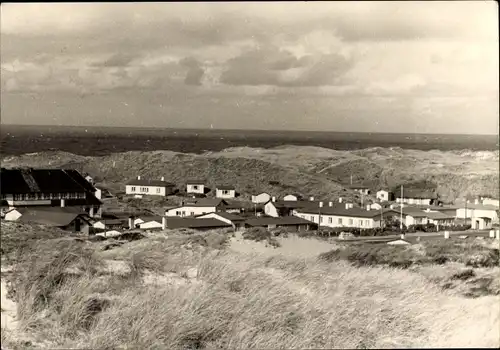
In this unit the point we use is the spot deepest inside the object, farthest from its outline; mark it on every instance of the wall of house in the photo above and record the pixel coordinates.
(137, 222)
(99, 225)
(190, 211)
(236, 226)
(261, 198)
(271, 210)
(441, 222)
(411, 220)
(477, 213)
(339, 221)
(225, 193)
(490, 201)
(416, 201)
(148, 190)
(195, 189)
(382, 196)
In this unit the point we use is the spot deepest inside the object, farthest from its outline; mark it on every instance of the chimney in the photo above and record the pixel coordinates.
(321, 204)
(63, 203)
(476, 201)
(340, 200)
(330, 204)
(164, 223)
(347, 205)
(139, 177)
(311, 198)
(130, 223)
(351, 205)
(368, 207)
(162, 178)
(273, 199)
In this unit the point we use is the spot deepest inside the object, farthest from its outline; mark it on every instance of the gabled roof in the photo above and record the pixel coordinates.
(296, 204)
(150, 218)
(436, 215)
(416, 193)
(145, 182)
(75, 175)
(477, 206)
(51, 218)
(357, 186)
(113, 221)
(339, 209)
(228, 216)
(205, 202)
(175, 222)
(195, 182)
(285, 220)
(225, 187)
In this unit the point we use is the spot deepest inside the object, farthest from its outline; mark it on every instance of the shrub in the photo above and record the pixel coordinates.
(256, 234)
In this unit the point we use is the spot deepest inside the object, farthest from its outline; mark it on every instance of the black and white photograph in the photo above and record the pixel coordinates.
(250, 175)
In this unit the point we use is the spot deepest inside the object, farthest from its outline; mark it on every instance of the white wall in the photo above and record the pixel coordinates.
(345, 221)
(189, 211)
(270, 209)
(143, 190)
(229, 194)
(12, 215)
(261, 198)
(490, 201)
(290, 197)
(195, 189)
(150, 224)
(417, 201)
(477, 213)
(383, 195)
(98, 193)
(220, 218)
(100, 225)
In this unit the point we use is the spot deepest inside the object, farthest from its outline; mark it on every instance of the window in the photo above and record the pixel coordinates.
(71, 195)
(31, 196)
(132, 188)
(195, 187)
(23, 197)
(183, 213)
(367, 222)
(225, 192)
(351, 221)
(39, 196)
(178, 213)
(320, 219)
(330, 220)
(312, 218)
(192, 213)
(45, 196)
(158, 190)
(340, 221)
(360, 223)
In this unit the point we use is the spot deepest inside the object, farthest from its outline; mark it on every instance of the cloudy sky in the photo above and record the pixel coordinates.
(426, 67)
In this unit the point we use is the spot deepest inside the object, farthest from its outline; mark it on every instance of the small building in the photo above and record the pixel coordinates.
(237, 222)
(150, 222)
(291, 223)
(141, 187)
(374, 206)
(481, 223)
(110, 224)
(90, 179)
(68, 220)
(385, 196)
(439, 218)
(473, 210)
(195, 186)
(416, 196)
(362, 189)
(261, 198)
(195, 207)
(399, 241)
(198, 224)
(490, 201)
(225, 192)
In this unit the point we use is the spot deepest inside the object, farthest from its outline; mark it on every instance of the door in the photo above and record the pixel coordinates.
(476, 226)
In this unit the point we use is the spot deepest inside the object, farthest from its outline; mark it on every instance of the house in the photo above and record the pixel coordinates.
(344, 215)
(195, 207)
(199, 224)
(236, 221)
(375, 206)
(140, 187)
(481, 223)
(439, 218)
(151, 222)
(416, 196)
(292, 197)
(26, 187)
(261, 198)
(234, 207)
(364, 190)
(285, 208)
(195, 186)
(473, 210)
(65, 219)
(486, 200)
(110, 224)
(291, 223)
(225, 192)
(384, 196)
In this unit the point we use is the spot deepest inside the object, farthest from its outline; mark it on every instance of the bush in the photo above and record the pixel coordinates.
(256, 234)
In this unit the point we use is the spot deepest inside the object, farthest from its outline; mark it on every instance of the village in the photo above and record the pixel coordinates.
(74, 202)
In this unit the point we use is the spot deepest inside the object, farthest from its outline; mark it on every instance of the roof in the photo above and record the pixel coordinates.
(340, 210)
(28, 180)
(225, 187)
(436, 215)
(195, 182)
(175, 222)
(228, 216)
(416, 193)
(285, 220)
(416, 213)
(356, 186)
(296, 204)
(145, 182)
(49, 218)
(477, 206)
(204, 202)
(113, 221)
(149, 218)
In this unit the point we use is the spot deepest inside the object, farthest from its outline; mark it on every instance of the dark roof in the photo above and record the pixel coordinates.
(285, 220)
(78, 178)
(195, 182)
(41, 208)
(339, 209)
(436, 215)
(205, 202)
(145, 182)
(225, 187)
(175, 222)
(297, 204)
(416, 193)
(149, 218)
(477, 206)
(228, 216)
(50, 218)
(357, 186)
(113, 221)
(23, 181)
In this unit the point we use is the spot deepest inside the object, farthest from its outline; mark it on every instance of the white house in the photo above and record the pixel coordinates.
(384, 195)
(236, 221)
(343, 215)
(105, 224)
(197, 207)
(261, 198)
(140, 187)
(415, 197)
(365, 190)
(473, 210)
(490, 201)
(195, 186)
(375, 206)
(225, 192)
(151, 222)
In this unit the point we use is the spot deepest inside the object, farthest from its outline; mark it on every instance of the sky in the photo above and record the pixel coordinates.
(398, 66)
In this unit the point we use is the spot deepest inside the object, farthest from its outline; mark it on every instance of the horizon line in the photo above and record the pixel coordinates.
(246, 129)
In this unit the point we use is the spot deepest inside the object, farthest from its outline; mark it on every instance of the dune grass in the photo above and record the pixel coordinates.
(68, 297)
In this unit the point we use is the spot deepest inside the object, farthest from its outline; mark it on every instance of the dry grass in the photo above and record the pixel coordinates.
(234, 300)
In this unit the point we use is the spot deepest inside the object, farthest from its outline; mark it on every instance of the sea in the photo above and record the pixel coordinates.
(101, 141)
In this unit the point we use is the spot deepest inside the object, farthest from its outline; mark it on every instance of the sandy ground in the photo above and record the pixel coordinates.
(9, 308)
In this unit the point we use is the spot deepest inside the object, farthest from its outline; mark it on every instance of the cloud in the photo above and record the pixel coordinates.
(116, 60)
(195, 72)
